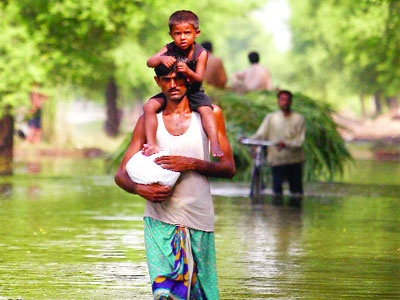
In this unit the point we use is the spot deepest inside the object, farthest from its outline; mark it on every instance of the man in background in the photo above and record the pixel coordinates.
(287, 130)
(254, 78)
(215, 72)
(35, 113)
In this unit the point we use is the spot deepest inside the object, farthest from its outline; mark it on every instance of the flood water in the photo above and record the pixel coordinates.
(67, 232)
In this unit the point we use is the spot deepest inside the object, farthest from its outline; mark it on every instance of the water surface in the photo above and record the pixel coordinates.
(69, 233)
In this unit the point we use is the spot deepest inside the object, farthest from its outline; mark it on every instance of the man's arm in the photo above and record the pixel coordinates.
(262, 131)
(224, 168)
(153, 192)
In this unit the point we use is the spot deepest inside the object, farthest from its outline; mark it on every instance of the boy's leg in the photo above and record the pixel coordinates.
(200, 102)
(150, 109)
(210, 127)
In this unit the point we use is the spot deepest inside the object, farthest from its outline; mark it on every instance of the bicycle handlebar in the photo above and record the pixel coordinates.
(257, 142)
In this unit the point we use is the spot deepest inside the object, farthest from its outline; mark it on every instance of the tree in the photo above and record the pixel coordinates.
(6, 141)
(81, 44)
(346, 47)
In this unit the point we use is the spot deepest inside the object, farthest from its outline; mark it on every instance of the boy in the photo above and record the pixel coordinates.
(191, 61)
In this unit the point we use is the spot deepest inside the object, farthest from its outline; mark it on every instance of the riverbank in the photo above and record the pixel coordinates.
(377, 138)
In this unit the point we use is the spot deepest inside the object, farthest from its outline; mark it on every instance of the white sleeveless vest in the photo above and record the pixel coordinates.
(190, 204)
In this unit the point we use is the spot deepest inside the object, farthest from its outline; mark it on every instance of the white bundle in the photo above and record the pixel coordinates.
(142, 169)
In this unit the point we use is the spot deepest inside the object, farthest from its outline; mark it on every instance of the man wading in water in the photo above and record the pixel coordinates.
(179, 220)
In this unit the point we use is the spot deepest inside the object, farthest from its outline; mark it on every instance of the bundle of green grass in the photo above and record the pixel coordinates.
(325, 150)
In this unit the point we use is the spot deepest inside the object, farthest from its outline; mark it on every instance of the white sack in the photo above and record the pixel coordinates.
(142, 169)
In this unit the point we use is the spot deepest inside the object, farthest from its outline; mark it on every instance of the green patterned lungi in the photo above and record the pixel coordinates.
(181, 261)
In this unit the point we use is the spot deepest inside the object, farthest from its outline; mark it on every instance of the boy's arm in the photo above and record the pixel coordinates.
(159, 58)
(197, 76)
(224, 168)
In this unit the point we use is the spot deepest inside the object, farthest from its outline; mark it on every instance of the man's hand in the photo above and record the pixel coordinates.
(280, 145)
(175, 163)
(153, 192)
(168, 61)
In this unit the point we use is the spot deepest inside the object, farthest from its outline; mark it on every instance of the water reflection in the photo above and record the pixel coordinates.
(5, 190)
(275, 235)
(265, 242)
(34, 167)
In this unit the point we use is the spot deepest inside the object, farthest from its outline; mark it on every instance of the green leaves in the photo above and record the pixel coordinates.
(349, 46)
(325, 150)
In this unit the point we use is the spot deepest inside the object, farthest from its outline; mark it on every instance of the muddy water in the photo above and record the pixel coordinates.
(67, 233)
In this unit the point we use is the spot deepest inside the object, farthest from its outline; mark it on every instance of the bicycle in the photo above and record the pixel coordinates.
(259, 161)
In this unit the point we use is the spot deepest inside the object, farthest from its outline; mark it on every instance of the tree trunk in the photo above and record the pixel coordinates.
(363, 108)
(393, 104)
(113, 113)
(6, 143)
(378, 103)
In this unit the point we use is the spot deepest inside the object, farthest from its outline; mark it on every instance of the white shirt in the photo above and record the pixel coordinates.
(289, 129)
(254, 78)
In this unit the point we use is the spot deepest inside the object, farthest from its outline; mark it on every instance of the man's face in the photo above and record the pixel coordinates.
(172, 85)
(284, 102)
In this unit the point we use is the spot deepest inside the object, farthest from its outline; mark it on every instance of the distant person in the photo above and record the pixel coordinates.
(191, 60)
(254, 78)
(215, 72)
(287, 129)
(35, 122)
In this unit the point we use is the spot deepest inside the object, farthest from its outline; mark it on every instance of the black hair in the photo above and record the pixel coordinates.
(183, 16)
(207, 45)
(162, 70)
(254, 57)
(285, 92)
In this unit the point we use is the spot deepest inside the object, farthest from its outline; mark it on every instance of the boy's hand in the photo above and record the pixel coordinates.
(182, 67)
(168, 61)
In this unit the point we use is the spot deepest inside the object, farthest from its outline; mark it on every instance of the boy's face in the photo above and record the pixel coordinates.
(184, 35)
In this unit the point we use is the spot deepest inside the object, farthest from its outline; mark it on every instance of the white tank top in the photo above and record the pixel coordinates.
(190, 204)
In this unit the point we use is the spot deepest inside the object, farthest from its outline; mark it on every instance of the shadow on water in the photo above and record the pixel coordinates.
(69, 233)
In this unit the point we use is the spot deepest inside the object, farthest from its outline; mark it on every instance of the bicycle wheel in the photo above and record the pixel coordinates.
(256, 184)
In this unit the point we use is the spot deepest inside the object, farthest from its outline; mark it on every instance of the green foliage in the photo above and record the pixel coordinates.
(325, 149)
(342, 48)
(20, 62)
(80, 44)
